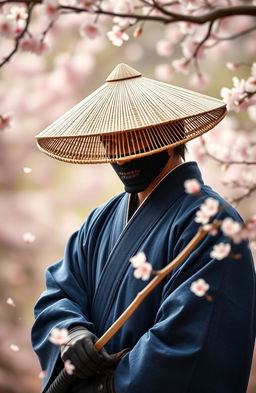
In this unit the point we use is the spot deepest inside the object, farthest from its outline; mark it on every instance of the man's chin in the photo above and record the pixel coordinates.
(135, 189)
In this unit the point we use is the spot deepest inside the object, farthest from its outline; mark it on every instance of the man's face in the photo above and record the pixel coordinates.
(136, 174)
(121, 146)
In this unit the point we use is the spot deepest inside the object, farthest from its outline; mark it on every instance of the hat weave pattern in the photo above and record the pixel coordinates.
(129, 116)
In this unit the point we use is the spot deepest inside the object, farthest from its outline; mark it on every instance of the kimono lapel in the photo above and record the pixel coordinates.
(132, 236)
(119, 221)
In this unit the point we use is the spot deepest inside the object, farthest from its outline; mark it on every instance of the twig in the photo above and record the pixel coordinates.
(161, 274)
(225, 162)
(245, 195)
(19, 37)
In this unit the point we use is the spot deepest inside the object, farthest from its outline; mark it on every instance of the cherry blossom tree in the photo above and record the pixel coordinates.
(192, 31)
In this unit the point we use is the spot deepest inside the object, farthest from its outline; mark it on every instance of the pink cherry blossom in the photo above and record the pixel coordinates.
(181, 65)
(173, 34)
(210, 206)
(20, 25)
(6, 121)
(117, 36)
(138, 259)
(220, 251)
(199, 287)
(207, 210)
(40, 46)
(250, 85)
(230, 227)
(34, 45)
(69, 367)
(51, 8)
(7, 27)
(28, 237)
(58, 336)
(164, 72)
(199, 81)
(202, 217)
(192, 186)
(87, 4)
(89, 30)
(10, 302)
(17, 13)
(14, 348)
(143, 271)
(124, 7)
(42, 374)
(123, 23)
(164, 48)
(187, 27)
(231, 66)
(210, 229)
(142, 268)
(237, 97)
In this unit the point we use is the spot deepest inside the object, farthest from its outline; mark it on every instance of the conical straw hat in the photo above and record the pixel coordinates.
(129, 116)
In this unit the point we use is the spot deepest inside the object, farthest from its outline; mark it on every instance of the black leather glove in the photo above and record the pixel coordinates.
(100, 384)
(87, 361)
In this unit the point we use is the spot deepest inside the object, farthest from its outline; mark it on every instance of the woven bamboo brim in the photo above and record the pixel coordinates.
(129, 116)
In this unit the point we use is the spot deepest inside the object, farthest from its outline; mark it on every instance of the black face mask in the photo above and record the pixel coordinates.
(139, 173)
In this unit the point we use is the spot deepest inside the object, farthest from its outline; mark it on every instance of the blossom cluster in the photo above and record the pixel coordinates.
(235, 231)
(142, 268)
(12, 21)
(243, 93)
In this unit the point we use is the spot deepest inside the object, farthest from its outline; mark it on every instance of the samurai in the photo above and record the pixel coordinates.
(176, 341)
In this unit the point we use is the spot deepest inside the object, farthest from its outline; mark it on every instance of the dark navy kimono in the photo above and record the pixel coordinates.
(181, 343)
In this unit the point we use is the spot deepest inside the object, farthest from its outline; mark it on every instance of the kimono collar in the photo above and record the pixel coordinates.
(173, 181)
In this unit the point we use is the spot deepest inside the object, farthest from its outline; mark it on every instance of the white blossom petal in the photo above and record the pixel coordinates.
(199, 287)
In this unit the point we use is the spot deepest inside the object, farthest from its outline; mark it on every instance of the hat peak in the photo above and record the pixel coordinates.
(122, 71)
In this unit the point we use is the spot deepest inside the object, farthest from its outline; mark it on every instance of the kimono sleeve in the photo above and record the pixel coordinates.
(60, 304)
(196, 343)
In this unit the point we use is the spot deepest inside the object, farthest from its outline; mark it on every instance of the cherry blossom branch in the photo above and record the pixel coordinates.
(243, 196)
(174, 17)
(64, 379)
(235, 36)
(217, 13)
(200, 44)
(19, 37)
(221, 161)
(250, 190)
(161, 274)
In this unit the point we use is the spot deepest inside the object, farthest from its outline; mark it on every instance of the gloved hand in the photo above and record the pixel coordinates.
(87, 361)
(100, 384)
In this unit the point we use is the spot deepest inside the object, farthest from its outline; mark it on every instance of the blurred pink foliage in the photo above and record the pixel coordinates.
(64, 57)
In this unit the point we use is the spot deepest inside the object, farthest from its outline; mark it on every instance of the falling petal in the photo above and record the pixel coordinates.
(28, 237)
(14, 348)
(42, 374)
(10, 302)
(69, 367)
(27, 170)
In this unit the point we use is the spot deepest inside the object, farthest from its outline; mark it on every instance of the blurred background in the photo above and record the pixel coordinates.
(43, 201)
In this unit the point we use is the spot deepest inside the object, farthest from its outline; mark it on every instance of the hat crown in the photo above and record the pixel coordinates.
(122, 71)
